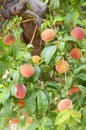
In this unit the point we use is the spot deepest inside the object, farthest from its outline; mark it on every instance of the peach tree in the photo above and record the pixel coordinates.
(45, 90)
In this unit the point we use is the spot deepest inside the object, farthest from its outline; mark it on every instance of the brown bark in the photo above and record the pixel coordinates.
(31, 33)
(30, 29)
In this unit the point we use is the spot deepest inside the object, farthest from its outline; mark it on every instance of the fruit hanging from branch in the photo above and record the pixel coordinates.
(62, 66)
(21, 91)
(27, 70)
(77, 33)
(9, 39)
(76, 53)
(64, 104)
(48, 35)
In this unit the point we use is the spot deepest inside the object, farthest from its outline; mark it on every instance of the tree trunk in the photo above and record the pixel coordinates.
(30, 29)
(31, 33)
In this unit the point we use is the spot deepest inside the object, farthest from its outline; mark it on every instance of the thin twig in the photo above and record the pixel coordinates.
(33, 35)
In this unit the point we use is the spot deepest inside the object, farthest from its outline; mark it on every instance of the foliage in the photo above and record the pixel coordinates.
(46, 87)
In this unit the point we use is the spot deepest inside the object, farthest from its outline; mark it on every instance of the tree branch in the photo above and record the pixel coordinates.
(13, 10)
(39, 8)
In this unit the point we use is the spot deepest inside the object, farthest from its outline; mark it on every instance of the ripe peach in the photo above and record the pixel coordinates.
(27, 70)
(76, 53)
(21, 102)
(14, 120)
(64, 104)
(9, 39)
(21, 91)
(62, 66)
(73, 90)
(78, 33)
(36, 59)
(48, 35)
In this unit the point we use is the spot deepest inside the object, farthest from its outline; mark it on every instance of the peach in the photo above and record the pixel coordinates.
(64, 104)
(62, 66)
(36, 59)
(48, 35)
(9, 39)
(76, 53)
(14, 120)
(21, 91)
(73, 90)
(78, 33)
(21, 102)
(27, 70)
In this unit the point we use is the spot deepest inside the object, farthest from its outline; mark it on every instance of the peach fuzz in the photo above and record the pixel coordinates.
(27, 70)
(9, 39)
(62, 66)
(76, 53)
(21, 91)
(78, 33)
(64, 104)
(48, 35)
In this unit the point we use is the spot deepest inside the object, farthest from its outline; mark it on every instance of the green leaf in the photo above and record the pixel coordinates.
(76, 115)
(7, 109)
(4, 93)
(37, 72)
(84, 116)
(82, 67)
(69, 80)
(69, 38)
(31, 103)
(42, 101)
(82, 88)
(3, 68)
(47, 123)
(34, 126)
(81, 76)
(61, 127)
(30, 46)
(71, 122)
(22, 121)
(27, 57)
(15, 77)
(69, 17)
(62, 117)
(62, 46)
(52, 85)
(13, 89)
(48, 53)
(55, 3)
